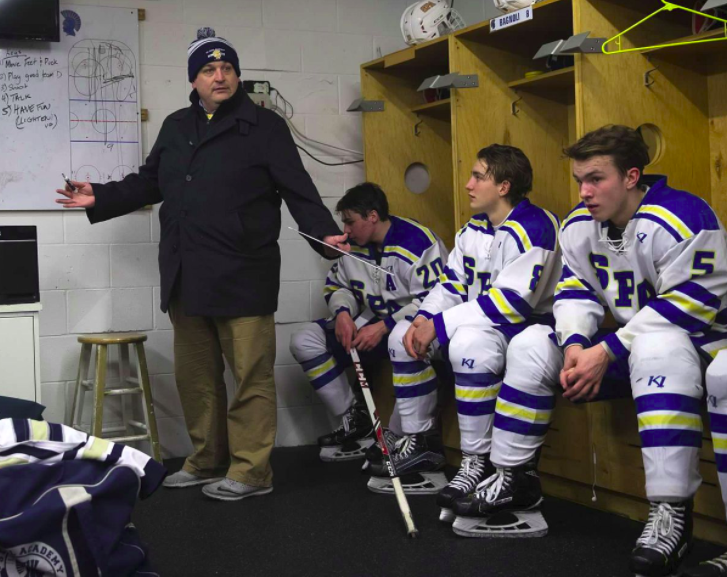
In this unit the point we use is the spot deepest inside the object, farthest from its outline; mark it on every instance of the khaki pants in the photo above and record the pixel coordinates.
(236, 440)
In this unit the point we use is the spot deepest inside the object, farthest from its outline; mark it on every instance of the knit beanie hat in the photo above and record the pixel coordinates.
(209, 48)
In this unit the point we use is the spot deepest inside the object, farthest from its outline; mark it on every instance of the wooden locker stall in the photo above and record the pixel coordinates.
(680, 105)
(537, 115)
(676, 96)
(409, 131)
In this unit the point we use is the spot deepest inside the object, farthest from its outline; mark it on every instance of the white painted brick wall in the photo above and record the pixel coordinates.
(105, 277)
(134, 265)
(338, 53)
(89, 311)
(132, 309)
(53, 320)
(318, 15)
(373, 17)
(67, 266)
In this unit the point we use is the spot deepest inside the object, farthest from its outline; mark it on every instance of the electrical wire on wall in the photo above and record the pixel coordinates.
(287, 116)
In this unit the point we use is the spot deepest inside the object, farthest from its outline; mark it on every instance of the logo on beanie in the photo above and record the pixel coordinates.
(216, 54)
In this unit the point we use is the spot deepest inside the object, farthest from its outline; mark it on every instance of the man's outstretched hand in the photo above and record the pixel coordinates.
(82, 197)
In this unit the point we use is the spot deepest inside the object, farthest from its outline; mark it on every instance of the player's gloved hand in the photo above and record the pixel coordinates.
(338, 240)
(409, 335)
(369, 336)
(345, 330)
(584, 373)
(82, 197)
(423, 337)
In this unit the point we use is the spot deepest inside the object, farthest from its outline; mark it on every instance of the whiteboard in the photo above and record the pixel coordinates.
(70, 106)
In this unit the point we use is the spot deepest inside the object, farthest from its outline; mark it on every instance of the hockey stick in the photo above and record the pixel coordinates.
(411, 529)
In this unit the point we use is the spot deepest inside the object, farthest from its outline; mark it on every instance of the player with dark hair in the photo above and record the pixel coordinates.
(365, 304)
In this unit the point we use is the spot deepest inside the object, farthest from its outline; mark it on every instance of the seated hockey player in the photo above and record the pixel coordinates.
(499, 279)
(365, 304)
(655, 256)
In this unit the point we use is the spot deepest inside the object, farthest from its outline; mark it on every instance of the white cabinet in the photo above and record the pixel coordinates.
(20, 351)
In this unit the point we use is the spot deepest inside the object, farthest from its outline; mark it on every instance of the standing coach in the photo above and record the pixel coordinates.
(220, 167)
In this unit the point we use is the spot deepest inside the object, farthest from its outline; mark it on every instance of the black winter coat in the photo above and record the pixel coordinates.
(220, 220)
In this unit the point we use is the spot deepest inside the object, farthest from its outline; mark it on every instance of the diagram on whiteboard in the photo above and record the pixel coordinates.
(103, 110)
(70, 107)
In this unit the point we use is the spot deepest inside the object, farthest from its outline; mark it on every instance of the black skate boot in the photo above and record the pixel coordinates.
(373, 453)
(503, 505)
(474, 470)
(716, 567)
(665, 541)
(419, 460)
(351, 439)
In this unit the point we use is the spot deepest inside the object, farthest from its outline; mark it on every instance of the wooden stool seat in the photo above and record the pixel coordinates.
(128, 385)
(112, 338)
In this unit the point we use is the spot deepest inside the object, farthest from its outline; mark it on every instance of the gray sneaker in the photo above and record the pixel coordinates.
(182, 479)
(229, 490)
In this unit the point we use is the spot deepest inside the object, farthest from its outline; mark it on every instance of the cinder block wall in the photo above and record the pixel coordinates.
(105, 277)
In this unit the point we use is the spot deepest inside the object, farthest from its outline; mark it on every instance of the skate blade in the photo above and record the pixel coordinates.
(446, 515)
(429, 483)
(350, 452)
(515, 524)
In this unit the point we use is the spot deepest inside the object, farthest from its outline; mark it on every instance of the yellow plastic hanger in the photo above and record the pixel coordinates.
(667, 6)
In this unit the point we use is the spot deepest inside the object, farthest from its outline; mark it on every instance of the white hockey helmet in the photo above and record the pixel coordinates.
(512, 5)
(429, 19)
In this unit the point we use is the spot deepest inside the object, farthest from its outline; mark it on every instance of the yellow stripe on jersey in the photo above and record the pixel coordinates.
(574, 214)
(483, 223)
(713, 349)
(690, 306)
(402, 251)
(504, 306)
(673, 220)
(330, 288)
(98, 449)
(521, 232)
(656, 419)
(556, 225)
(427, 375)
(458, 286)
(38, 430)
(424, 229)
(359, 250)
(571, 283)
(523, 413)
(476, 393)
(12, 461)
(321, 369)
(719, 443)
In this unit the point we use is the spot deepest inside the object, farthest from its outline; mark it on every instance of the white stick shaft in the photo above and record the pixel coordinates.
(406, 513)
(404, 506)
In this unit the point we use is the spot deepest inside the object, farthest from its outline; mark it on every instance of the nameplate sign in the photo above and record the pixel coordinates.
(507, 20)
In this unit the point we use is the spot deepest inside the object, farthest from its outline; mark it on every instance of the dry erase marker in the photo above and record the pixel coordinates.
(68, 182)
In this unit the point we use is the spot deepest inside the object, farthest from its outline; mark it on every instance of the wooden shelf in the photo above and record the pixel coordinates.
(706, 57)
(645, 7)
(440, 108)
(552, 20)
(430, 55)
(558, 85)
